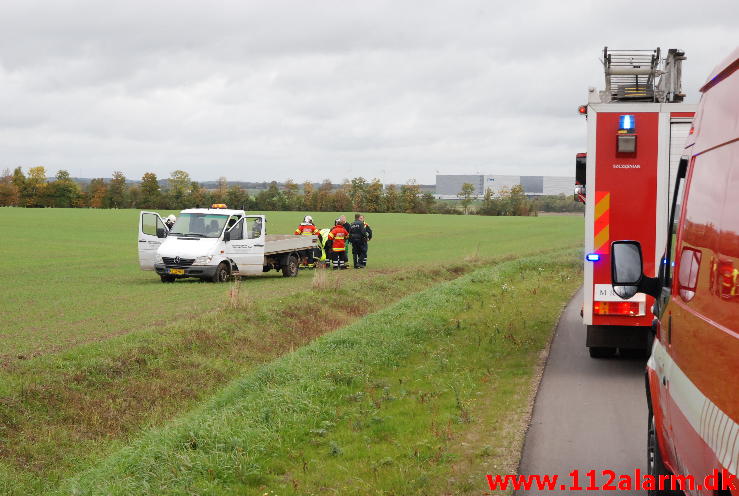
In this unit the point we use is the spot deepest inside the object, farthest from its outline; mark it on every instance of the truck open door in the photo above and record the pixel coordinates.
(151, 234)
(254, 237)
(244, 244)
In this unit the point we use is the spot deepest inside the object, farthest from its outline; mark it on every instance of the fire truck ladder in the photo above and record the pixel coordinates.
(642, 76)
(631, 74)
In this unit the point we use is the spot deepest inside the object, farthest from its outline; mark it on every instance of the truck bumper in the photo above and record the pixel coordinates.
(628, 337)
(191, 271)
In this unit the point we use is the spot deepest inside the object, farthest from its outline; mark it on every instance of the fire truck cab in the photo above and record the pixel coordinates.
(637, 129)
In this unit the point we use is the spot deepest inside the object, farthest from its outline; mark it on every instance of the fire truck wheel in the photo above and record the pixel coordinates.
(655, 465)
(290, 269)
(222, 274)
(601, 351)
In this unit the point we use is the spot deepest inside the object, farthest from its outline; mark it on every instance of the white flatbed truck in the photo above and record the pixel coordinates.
(217, 243)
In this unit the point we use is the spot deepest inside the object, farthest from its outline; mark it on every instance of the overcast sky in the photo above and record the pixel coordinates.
(323, 89)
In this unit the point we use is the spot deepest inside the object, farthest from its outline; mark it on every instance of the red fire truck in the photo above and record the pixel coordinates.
(637, 129)
(693, 428)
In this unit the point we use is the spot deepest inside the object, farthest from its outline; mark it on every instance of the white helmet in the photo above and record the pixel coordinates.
(171, 218)
(308, 219)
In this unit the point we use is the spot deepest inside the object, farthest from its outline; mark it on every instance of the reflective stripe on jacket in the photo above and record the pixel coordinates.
(307, 229)
(338, 236)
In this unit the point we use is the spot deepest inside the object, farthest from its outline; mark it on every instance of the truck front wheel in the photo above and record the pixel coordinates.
(222, 273)
(290, 267)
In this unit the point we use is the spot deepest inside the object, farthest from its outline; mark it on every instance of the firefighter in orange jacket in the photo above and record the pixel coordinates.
(338, 237)
(308, 228)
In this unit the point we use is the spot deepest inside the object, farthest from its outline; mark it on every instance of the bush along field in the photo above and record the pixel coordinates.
(96, 352)
(423, 397)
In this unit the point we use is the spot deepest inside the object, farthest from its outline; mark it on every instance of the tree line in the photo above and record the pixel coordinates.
(34, 189)
(513, 201)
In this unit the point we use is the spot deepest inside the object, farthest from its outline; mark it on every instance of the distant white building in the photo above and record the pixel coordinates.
(448, 186)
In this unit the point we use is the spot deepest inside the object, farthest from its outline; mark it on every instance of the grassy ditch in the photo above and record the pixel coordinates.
(423, 397)
(60, 413)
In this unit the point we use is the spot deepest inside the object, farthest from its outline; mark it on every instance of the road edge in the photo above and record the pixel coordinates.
(535, 384)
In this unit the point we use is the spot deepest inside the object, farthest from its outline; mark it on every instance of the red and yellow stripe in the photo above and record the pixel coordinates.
(602, 221)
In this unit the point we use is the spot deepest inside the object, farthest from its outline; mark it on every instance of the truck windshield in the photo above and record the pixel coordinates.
(199, 225)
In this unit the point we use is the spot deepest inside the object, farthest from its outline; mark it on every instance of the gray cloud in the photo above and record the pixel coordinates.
(263, 90)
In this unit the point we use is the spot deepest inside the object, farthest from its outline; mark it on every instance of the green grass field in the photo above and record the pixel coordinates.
(71, 276)
(96, 351)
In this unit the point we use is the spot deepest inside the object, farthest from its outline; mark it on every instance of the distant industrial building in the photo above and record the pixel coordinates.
(449, 185)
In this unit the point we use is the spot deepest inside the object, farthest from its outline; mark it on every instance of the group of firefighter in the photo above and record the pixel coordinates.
(334, 242)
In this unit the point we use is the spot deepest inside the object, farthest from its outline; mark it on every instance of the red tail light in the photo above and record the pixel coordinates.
(616, 308)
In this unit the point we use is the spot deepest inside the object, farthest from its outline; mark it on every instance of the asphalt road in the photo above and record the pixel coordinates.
(589, 413)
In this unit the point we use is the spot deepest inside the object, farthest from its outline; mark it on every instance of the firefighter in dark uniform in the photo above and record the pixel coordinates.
(368, 229)
(359, 234)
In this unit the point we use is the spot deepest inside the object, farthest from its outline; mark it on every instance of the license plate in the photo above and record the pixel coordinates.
(177, 272)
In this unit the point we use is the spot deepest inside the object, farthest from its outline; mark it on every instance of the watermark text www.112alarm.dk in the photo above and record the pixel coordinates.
(716, 481)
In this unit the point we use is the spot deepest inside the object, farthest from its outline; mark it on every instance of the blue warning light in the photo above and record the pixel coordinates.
(626, 123)
(592, 257)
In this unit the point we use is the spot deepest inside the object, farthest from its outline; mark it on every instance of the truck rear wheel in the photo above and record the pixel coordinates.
(290, 267)
(601, 351)
(223, 272)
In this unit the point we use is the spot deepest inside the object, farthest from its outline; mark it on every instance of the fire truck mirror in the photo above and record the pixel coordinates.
(580, 193)
(626, 267)
(580, 168)
(625, 292)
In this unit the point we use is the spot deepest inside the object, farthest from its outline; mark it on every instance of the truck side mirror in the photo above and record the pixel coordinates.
(627, 272)
(161, 232)
(579, 193)
(227, 236)
(581, 161)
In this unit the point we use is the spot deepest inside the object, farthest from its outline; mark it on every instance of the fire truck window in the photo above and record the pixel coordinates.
(729, 238)
(727, 264)
(704, 201)
(677, 208)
